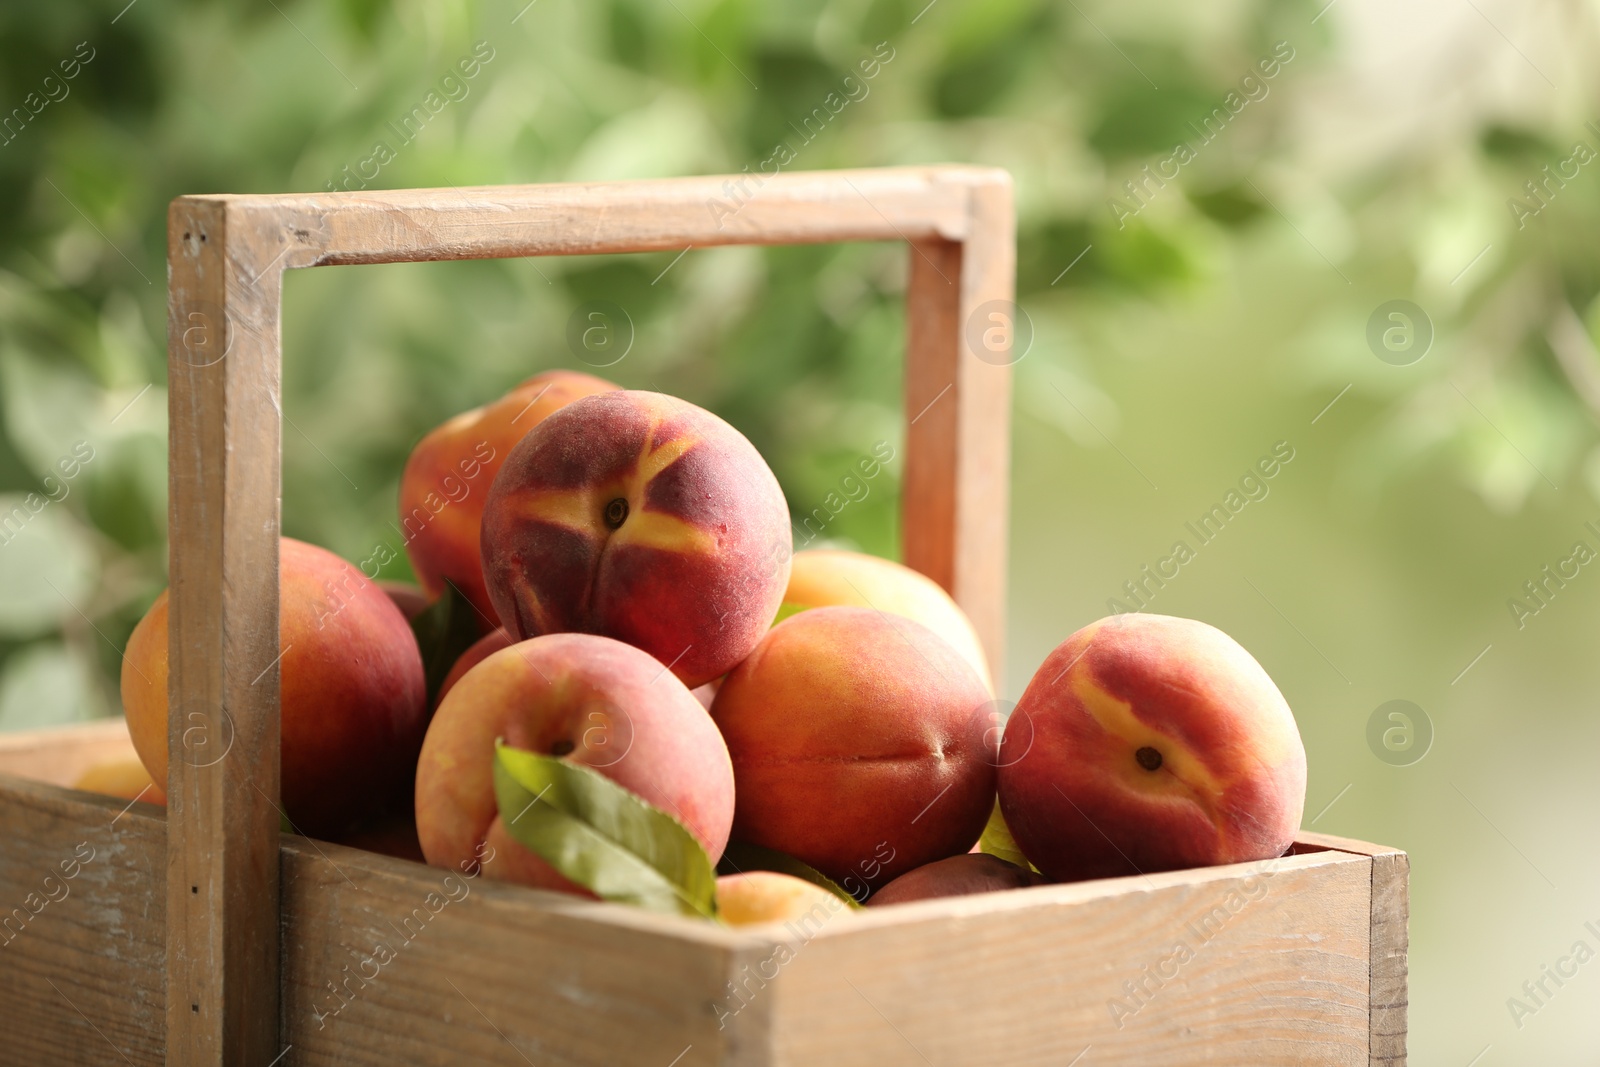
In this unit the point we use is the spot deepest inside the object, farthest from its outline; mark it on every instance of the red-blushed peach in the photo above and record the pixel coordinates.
(954, 877)
(770, 897)
(1150, 743)
(859, 745)
(351, 688)
(587, 699)
(836, 577)
(641, 517)
(448, 475)
(125, 779)
(476, 653)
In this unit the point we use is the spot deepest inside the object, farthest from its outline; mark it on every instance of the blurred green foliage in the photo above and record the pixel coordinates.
(797, 346)
(1176, 338)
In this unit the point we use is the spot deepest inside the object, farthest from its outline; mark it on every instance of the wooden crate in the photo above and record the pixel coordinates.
(202, 936)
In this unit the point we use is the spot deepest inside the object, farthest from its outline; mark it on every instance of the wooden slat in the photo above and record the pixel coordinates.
(901, 203)
(1388, 975)
(60, 754)
(983, 395)
(81, 981)
(1391, 912)
(388, 961)
(488, 973)
(955, 498)
(1034, 976)
(223, 471)
(928, 491)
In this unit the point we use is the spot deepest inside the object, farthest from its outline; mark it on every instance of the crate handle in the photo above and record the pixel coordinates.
(225, 261)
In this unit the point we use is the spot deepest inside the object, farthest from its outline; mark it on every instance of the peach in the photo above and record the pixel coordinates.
(448, 475)
(587, 699)
(824, 577)
(125, 779)
(1150, 743)
(476, 653)
(351, 690)
(859, 745)
(770, 897)
(640, 517)
(955, 877)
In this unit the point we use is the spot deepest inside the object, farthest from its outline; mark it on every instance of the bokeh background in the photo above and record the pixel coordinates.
(1179, 337)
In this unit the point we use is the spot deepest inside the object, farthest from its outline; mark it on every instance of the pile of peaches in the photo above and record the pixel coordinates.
(616, 680)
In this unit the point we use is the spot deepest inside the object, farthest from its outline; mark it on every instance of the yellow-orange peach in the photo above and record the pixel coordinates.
(641, 517)
(955, 877)
(860, 745)
(448, 475)
(125, 779)
(1149, 743)
(351, 688)
(589, 700)
(828, 577)
(770, 897)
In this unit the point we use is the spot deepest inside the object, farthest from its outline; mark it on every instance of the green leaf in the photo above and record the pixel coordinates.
(997, 841)
(601, 835)
(740, 857)
(448, 627)
(788, 610)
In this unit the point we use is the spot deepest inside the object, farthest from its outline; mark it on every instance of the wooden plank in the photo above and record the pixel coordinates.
(928, 489)
(1391, 939)
(60, 754)
(1388, 976)
(82, 928)
(388, 226)
(1312, 839)
(1272, 968)
(388, 961)
(954, 496)
(480, 972)
(983, 396)
(496, 973)
(223, 730)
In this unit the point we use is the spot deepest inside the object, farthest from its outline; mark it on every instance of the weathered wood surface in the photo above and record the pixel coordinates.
(799, 207)
(955, 497)
(82, 959)
(1251, 964)
(390, 961)
(1390, 940)
(223, 361)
